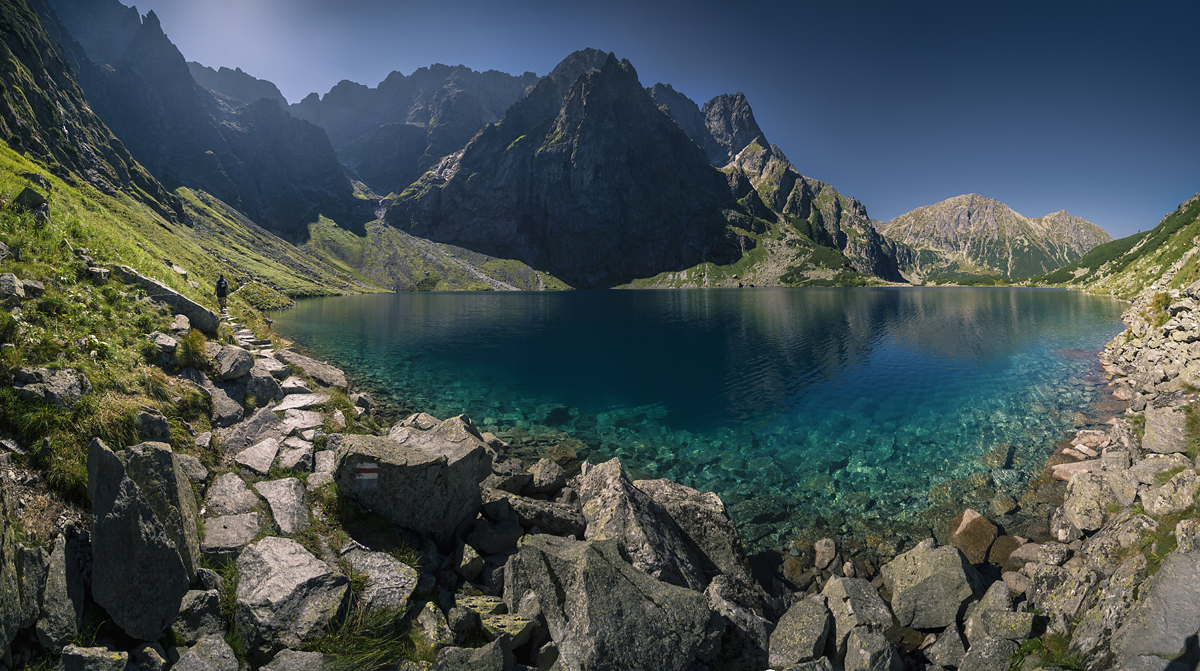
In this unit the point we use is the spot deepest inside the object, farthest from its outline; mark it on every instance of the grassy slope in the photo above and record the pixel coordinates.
(1124, 267)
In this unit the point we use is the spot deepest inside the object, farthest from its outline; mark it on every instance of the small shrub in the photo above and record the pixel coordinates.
(191, 352)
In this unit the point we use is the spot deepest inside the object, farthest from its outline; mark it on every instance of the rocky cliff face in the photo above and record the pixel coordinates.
(235, 84)
(973, 235)
(275, 169)
(587, 179)
(391, 134)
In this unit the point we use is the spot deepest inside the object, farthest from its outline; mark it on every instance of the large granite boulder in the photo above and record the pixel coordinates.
(801, 633)
(323, 373)
(61, 386)
(199, 316)
(64, 593)
(868, 649)
(199, 616)
(1175, 495)
(1166, 430)
(285, 595)
(1088, 500)
(229, 495)
(288, 501)
(132, 546)
(1092, 638)
(92, 659)
(930, 585)
(705, 522)
(615, 509)
(1062, 594)
(603, 613)
(162, 480)
(225, 536)
(746, 643)
(261, 385)
(428, 483)
(854, 603)
(32, 567)
(558, 519)
(989, 654)
(1166, 616)
(973, 534)
(211, 653)
(390, 584)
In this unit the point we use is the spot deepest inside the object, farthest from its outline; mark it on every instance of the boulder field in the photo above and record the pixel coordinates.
(520, 566)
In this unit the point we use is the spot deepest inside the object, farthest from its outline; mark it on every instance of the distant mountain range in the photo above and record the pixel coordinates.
(453, 178)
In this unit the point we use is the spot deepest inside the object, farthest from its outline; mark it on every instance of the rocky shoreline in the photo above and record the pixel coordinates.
(301, 522)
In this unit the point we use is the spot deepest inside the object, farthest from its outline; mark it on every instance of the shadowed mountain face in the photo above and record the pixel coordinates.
(389, 135)
(43, 112)
(277, 170)
(973, 235)
(587, 179)
(235, 84)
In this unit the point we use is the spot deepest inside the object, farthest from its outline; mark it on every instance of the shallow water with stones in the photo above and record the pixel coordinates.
(870, 414)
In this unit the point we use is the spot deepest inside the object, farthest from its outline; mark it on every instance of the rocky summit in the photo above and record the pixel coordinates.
(973, 235)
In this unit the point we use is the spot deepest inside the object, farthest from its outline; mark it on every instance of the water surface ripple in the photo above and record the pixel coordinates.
(868, 413)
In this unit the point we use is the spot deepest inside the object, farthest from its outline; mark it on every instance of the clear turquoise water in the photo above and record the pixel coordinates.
(847, 411)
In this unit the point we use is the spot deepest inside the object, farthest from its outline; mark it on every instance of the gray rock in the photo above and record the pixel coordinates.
(195, 471)
(824, 552)
(261, 386)
(868, 649)
(801, 633)
(514, 630)
(602, 613)
(615, 509)
(29, 199)
(746, 642)
(326, 461)
(229, 495)
(33, 567)
(1166, 431)
(210, 579)
(1062, 594)
(148, 657)
(11, 555)
(705, 523)
(416, 488)
(261, 425)
(296, 453)
(62, 598)
(495, 538)
(465, 625)
(165, 343)
(989, 654)
(507, 474)
(153, 426)
(948, 651)
(167, 488)
(1053, 553)
(1187, 535)
(92, 659)
(301, 420)
(1093, 634)
(12, 290)
(995, 600)
(62, 387)
(199, 616)
(317, 480)
(495, 656)
(1146, 471)
(854, 603)
(552, 518)
(548, 477)
(390, 584)
(1123, 532)
(199, 316)
(294, 660)
(294, 385)
(273, 367)
(225, 536)
(302, 402)
(323, 373)
(433, 626)
(1088, 499)
(1167, 612)
(132, 546)
(1007, 625)
(285, 595)
(210, 654)
(469, 563)
(289, 504)
(233, 362)
(260, 456)
(930, 585)
(1177, 494)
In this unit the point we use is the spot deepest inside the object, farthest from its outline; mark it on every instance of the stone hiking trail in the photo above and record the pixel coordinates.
(524, 566)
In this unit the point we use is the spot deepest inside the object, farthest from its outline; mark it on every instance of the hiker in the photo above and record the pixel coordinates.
(222, 290)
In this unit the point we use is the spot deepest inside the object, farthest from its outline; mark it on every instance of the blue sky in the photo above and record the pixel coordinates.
(1089, 107)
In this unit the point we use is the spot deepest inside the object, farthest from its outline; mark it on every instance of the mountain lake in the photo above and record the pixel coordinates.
(872, 415)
